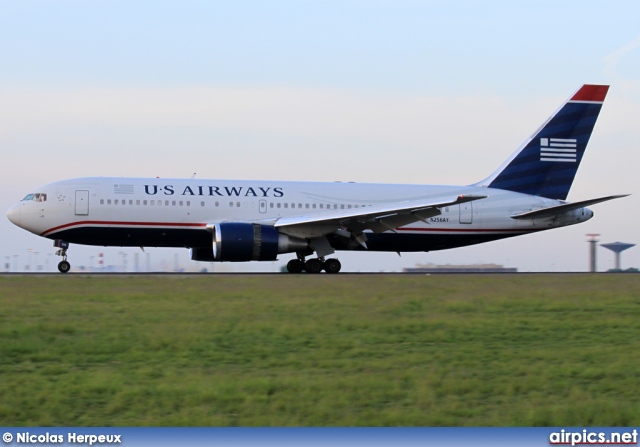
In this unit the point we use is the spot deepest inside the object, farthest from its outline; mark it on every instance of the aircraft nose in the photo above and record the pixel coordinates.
(14, 214)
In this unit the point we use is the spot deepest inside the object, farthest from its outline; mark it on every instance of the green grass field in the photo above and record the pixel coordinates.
(320, 350)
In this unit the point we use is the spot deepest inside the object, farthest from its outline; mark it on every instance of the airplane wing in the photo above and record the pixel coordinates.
(377, 218)
(559, 209)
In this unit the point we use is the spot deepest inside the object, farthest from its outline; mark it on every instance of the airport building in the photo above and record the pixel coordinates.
(452, 268)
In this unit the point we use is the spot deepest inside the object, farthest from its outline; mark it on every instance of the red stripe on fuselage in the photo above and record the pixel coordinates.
(465, 230)
(202, 225)
(124, 224)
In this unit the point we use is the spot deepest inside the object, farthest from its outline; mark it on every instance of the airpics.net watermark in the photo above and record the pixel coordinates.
(69, 438)
(592, 437)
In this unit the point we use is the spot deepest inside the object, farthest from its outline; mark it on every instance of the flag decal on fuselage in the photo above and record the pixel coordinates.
(123, 189)
(558, 149)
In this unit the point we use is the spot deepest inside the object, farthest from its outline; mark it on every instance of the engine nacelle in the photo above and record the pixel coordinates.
(240, 242)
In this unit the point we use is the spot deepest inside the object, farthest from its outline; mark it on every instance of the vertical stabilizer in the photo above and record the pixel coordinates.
(546, 164)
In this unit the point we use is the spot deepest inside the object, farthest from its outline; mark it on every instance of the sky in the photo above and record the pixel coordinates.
(422, 92)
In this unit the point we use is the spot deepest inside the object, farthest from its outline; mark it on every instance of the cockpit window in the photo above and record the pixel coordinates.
(38, 197)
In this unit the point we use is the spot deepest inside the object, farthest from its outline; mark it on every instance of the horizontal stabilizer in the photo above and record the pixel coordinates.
(555, 210)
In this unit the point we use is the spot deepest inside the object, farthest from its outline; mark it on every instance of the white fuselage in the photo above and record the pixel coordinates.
(176, 212)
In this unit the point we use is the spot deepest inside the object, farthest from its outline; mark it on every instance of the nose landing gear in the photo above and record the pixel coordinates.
(63, 266)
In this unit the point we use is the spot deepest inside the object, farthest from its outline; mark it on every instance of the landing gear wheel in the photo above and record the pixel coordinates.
(332, 266)
(64, 266)
(295, 266)
(313, 266)
(63, 246)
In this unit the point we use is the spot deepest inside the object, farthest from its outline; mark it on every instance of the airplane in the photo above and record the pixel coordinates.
(252, 220)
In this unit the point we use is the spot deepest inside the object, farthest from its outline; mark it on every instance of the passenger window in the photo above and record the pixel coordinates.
(173, 203)
(137, 202)
(188, 202)
(217, 203)
(201, 203)
(108, 201)
(286, 205)
(231, 204)
(313, 206)
(180, 203)
(166, 203)
(115, 202)
(271, 205)
(144, 202)
(101, 201)
(279, 205)
(238, 204)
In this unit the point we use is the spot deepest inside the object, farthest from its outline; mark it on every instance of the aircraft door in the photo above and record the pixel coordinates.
(262, 206)
(82, 203)
(466, 213)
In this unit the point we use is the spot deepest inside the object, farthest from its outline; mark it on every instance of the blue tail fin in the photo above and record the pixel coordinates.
(546, 164)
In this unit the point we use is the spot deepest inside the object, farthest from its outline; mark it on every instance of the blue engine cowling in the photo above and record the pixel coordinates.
(237, 242)
(241, 242)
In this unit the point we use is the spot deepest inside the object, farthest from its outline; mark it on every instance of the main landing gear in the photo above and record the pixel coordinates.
(63, 266)
(314, 265)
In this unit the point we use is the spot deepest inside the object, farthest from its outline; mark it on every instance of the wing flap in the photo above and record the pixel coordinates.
(378, 218)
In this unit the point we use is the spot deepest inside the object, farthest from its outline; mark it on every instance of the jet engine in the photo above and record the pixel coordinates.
(240, 242)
